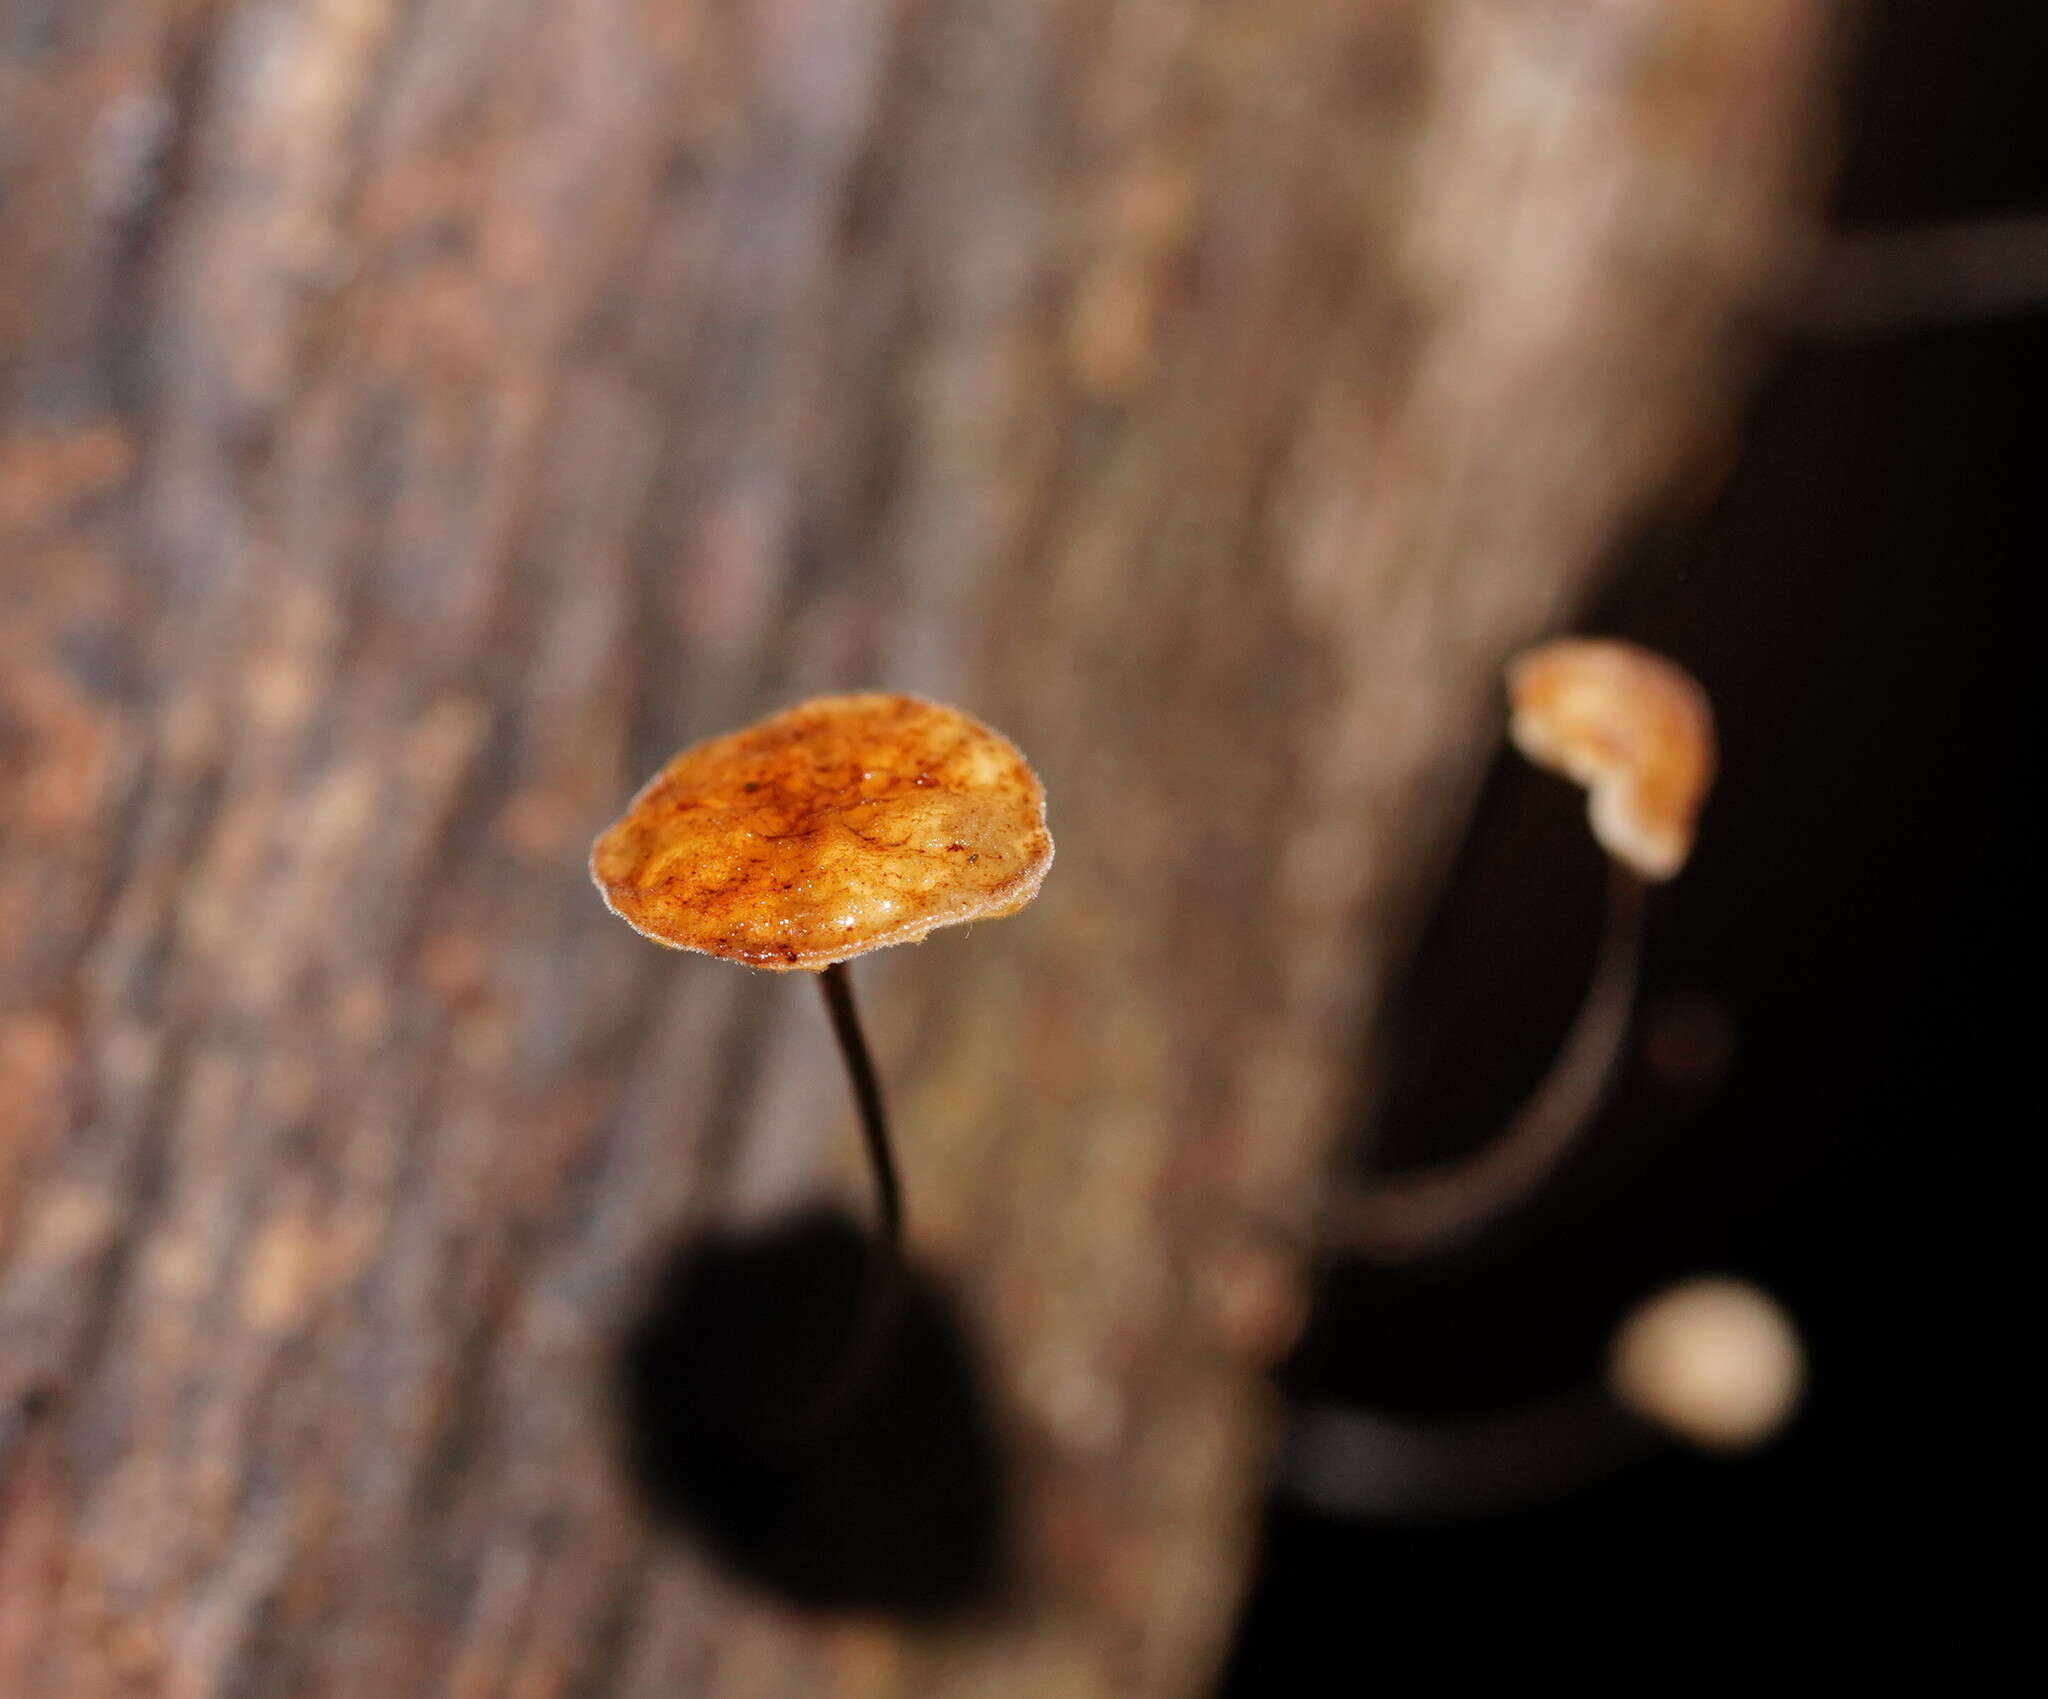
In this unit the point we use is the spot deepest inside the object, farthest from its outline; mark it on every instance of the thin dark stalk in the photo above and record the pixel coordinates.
(1394, 1220)
(879, 1303)
(837, 984)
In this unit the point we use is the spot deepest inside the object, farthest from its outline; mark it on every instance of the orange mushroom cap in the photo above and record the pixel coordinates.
(833, 828)
(1635, 729)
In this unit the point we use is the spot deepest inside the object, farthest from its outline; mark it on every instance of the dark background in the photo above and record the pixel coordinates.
(1862, 599)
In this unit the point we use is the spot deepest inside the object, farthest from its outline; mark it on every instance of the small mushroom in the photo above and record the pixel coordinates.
(836, 827)
(1637, 731)
(833, 828)
(1713, 1360)
(1633, 728)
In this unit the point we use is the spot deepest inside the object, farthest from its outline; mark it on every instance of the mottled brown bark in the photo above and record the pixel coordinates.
(420, 416)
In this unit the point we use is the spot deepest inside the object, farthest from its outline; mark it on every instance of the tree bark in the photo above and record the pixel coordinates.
(416, 419)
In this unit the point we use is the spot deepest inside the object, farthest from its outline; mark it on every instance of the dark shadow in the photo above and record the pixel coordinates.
(742, 1433)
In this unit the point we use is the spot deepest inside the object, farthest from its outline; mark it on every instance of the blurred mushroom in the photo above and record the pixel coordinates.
(1636, 730)
(1633, 728)
(1714, 1361)
(836, 827)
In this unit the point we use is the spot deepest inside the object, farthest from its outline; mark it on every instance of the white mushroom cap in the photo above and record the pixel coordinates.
(1714, 1360)
(1632, 727)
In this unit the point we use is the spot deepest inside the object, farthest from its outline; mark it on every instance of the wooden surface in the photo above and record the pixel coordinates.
(420, 418)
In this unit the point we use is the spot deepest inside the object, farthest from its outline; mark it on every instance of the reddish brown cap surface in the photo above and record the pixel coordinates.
(833, 828)
(1633, 728)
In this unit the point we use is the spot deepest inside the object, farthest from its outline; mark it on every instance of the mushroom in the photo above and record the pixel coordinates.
(1714, 1361)
(1637, 731)
(1633, 728)
(836, 827)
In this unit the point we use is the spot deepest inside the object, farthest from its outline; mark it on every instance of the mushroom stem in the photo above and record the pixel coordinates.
(1398, 1220)
(837, 985)
(878, 1300)
(1348, 1462)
